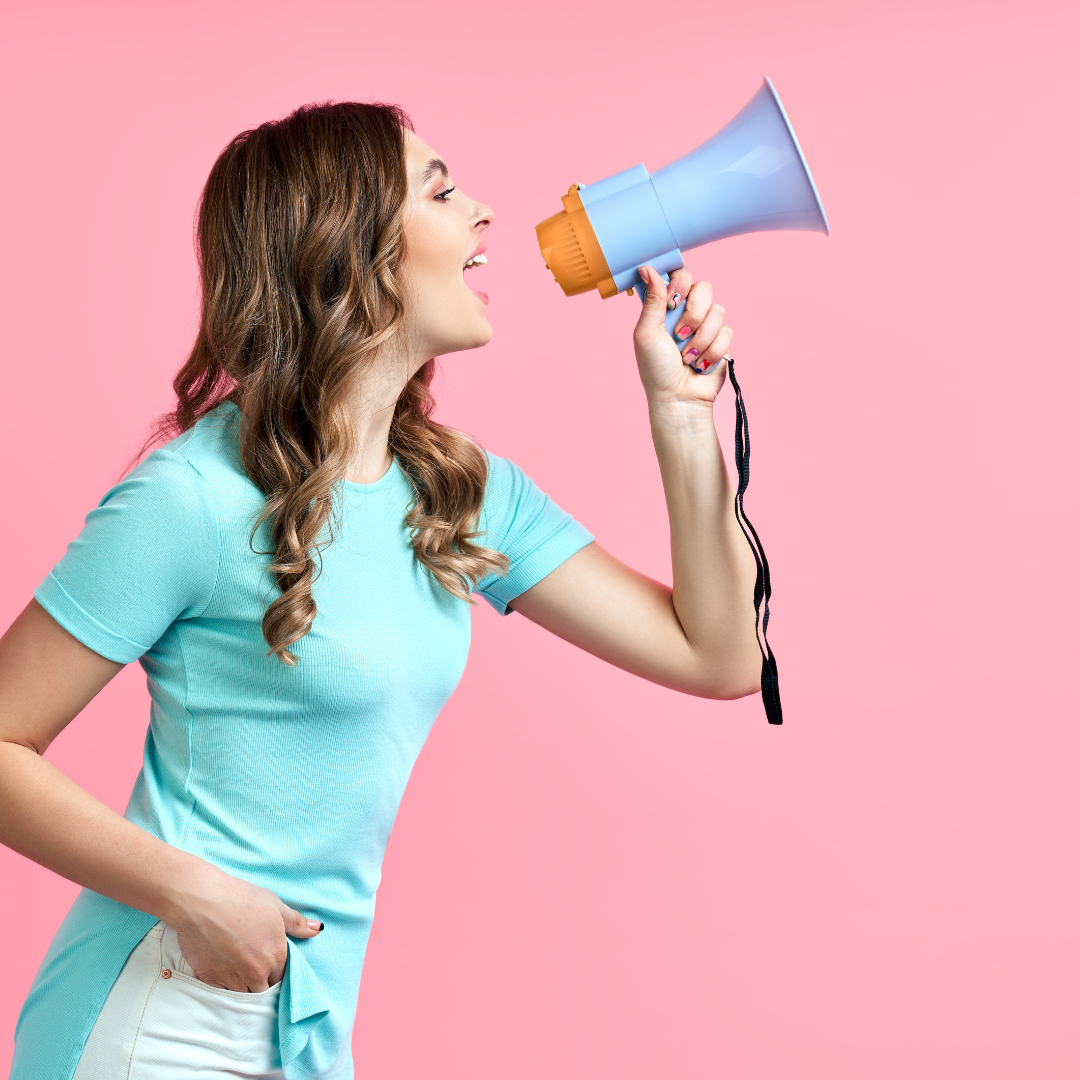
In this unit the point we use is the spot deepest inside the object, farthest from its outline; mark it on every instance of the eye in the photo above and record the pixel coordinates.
(443, 195)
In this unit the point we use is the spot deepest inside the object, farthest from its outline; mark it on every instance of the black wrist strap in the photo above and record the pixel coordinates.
(770, 683)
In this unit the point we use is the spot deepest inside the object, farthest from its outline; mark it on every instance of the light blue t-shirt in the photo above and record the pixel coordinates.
(286, 777)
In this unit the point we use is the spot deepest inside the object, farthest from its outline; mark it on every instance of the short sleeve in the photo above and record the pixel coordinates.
(147, 556)
(534, 533)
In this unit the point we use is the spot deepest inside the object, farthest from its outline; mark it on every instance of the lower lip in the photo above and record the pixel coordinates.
(476, 292)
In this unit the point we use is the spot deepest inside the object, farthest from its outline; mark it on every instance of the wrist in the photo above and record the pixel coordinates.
(191, 886)
(684, 417)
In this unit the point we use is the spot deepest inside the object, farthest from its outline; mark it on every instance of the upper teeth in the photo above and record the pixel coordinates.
(476, 260)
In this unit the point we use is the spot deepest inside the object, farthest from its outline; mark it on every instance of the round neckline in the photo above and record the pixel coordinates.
(375, 485)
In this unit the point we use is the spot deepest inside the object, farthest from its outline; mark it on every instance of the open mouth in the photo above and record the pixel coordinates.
(479, 259)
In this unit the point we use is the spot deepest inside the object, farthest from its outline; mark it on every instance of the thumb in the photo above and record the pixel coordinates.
(297, 925)
(654, 310)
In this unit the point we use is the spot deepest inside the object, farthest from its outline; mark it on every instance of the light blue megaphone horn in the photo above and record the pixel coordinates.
(751, 176)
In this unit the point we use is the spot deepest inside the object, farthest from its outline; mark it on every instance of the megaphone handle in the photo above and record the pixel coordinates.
(671, 319)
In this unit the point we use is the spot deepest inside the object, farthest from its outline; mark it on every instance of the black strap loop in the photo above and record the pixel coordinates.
(770, 683)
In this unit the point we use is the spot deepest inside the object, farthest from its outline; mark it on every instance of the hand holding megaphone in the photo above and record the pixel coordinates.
(702, 340)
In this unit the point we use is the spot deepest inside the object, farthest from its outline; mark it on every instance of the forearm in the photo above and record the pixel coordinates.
(712, 565)
(50, 819)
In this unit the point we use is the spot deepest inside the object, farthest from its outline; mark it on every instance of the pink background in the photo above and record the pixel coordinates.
(591, 876)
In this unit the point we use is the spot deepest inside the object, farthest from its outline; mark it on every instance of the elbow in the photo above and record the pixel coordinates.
(732, 691)
(738, 681)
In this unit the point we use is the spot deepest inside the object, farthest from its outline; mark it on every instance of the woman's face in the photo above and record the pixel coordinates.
(443, 228)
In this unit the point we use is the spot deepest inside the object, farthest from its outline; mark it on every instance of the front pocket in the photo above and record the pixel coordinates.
(172, 960)
(185, 974)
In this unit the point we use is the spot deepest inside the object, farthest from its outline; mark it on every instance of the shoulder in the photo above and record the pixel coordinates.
(149, 553)
(210, 449)
(503, 475)
(515, 508)
(507, 488)
(183, 492)
(197, 472)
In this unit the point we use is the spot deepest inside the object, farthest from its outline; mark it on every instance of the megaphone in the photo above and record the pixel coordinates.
(751, 176)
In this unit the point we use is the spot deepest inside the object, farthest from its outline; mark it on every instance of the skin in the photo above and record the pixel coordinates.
(696, 637)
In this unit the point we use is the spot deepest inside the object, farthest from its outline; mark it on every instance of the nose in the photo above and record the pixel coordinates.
(481, 217)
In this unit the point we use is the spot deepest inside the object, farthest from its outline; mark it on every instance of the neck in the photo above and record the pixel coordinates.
(373, 457)
(372, 405)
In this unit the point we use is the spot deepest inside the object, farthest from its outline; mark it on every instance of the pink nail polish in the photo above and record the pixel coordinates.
(691, 352)
(684, 331)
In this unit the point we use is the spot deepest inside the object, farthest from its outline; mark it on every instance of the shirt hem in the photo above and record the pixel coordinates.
(534, 567)
(78, 622)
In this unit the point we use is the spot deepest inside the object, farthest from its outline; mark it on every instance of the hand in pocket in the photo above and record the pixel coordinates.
(234, 936)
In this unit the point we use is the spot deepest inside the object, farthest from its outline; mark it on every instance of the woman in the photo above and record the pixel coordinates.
(294, 570)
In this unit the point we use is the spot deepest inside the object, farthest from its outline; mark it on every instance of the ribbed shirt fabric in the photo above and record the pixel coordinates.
(289, 777)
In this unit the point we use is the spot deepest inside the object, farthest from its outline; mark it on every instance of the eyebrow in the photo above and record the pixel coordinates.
(433, 166)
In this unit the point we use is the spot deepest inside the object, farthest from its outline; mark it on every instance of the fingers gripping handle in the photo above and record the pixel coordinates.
(671, 319)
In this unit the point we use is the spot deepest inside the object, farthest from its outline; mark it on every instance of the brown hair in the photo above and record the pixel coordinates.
(300, 241)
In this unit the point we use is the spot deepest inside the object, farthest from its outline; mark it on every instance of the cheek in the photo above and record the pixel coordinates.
(435, 250)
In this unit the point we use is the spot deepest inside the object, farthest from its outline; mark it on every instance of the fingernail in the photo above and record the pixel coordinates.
(673, 303)
(691, 352)
(312, 925)
(644, 274)
(684, 331)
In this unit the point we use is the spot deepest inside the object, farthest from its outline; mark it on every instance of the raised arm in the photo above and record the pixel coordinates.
(697, 637)
(232, 932)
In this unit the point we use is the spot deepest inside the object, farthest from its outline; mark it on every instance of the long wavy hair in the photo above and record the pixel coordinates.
(300, 244)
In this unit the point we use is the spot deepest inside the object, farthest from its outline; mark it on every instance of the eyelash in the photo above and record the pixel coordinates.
(442, 194)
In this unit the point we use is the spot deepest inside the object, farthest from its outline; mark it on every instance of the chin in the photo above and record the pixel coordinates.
(484, 336)
(461, 326)
(474, 337)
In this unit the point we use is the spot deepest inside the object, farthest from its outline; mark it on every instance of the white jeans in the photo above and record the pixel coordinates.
(161, 1023)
